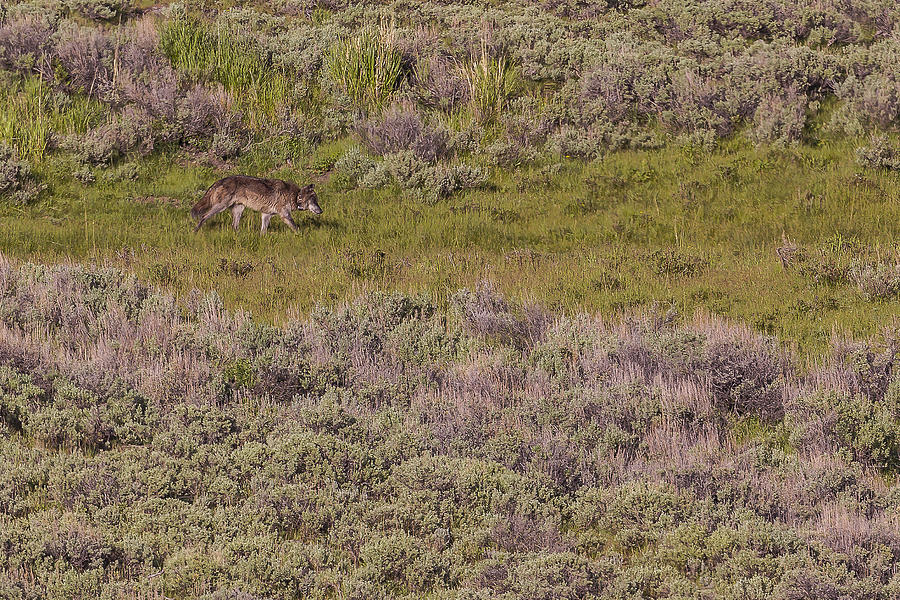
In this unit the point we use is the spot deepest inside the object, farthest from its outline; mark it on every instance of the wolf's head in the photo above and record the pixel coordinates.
(307, 199)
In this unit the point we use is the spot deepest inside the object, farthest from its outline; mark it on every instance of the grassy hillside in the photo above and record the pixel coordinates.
(603, 303)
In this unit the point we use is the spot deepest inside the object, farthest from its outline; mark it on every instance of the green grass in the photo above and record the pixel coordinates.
(366, 67)
(259, 88)
(28, 115)
(665, 228)
(492, 82)
(24, 123)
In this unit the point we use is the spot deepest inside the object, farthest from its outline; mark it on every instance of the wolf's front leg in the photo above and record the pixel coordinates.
(286, 217)
(265, 221)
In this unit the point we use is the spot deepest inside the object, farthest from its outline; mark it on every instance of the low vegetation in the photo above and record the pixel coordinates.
(161, 447)
(367, 67)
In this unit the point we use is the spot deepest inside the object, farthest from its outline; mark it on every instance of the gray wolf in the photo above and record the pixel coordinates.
(268, 196)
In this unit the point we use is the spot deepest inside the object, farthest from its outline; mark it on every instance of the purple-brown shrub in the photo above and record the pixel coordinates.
(85, 55)
(439, 82)
(401, 128)
(486, 313)
(17, 182)
(24, 45)
(779, 119)
(489, 449)
(629, 80)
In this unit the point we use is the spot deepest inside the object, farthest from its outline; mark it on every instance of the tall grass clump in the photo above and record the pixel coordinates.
(24, 123)
(194, 49)
(367, 67)
(492, 82)
(220, 56)
(30, 113)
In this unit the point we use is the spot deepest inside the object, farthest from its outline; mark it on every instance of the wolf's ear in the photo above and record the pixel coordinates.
(308, 188)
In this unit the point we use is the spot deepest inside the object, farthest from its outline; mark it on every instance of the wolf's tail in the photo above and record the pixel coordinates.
(203, 205)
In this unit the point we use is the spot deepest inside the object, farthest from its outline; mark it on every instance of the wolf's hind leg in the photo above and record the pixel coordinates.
(209, 214)
(236, 211)
(200, 223)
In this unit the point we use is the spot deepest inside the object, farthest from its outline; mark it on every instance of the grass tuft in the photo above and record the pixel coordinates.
(367, 67)
(30, 113)
(218, 55)
(492, 82)
(24, 123)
